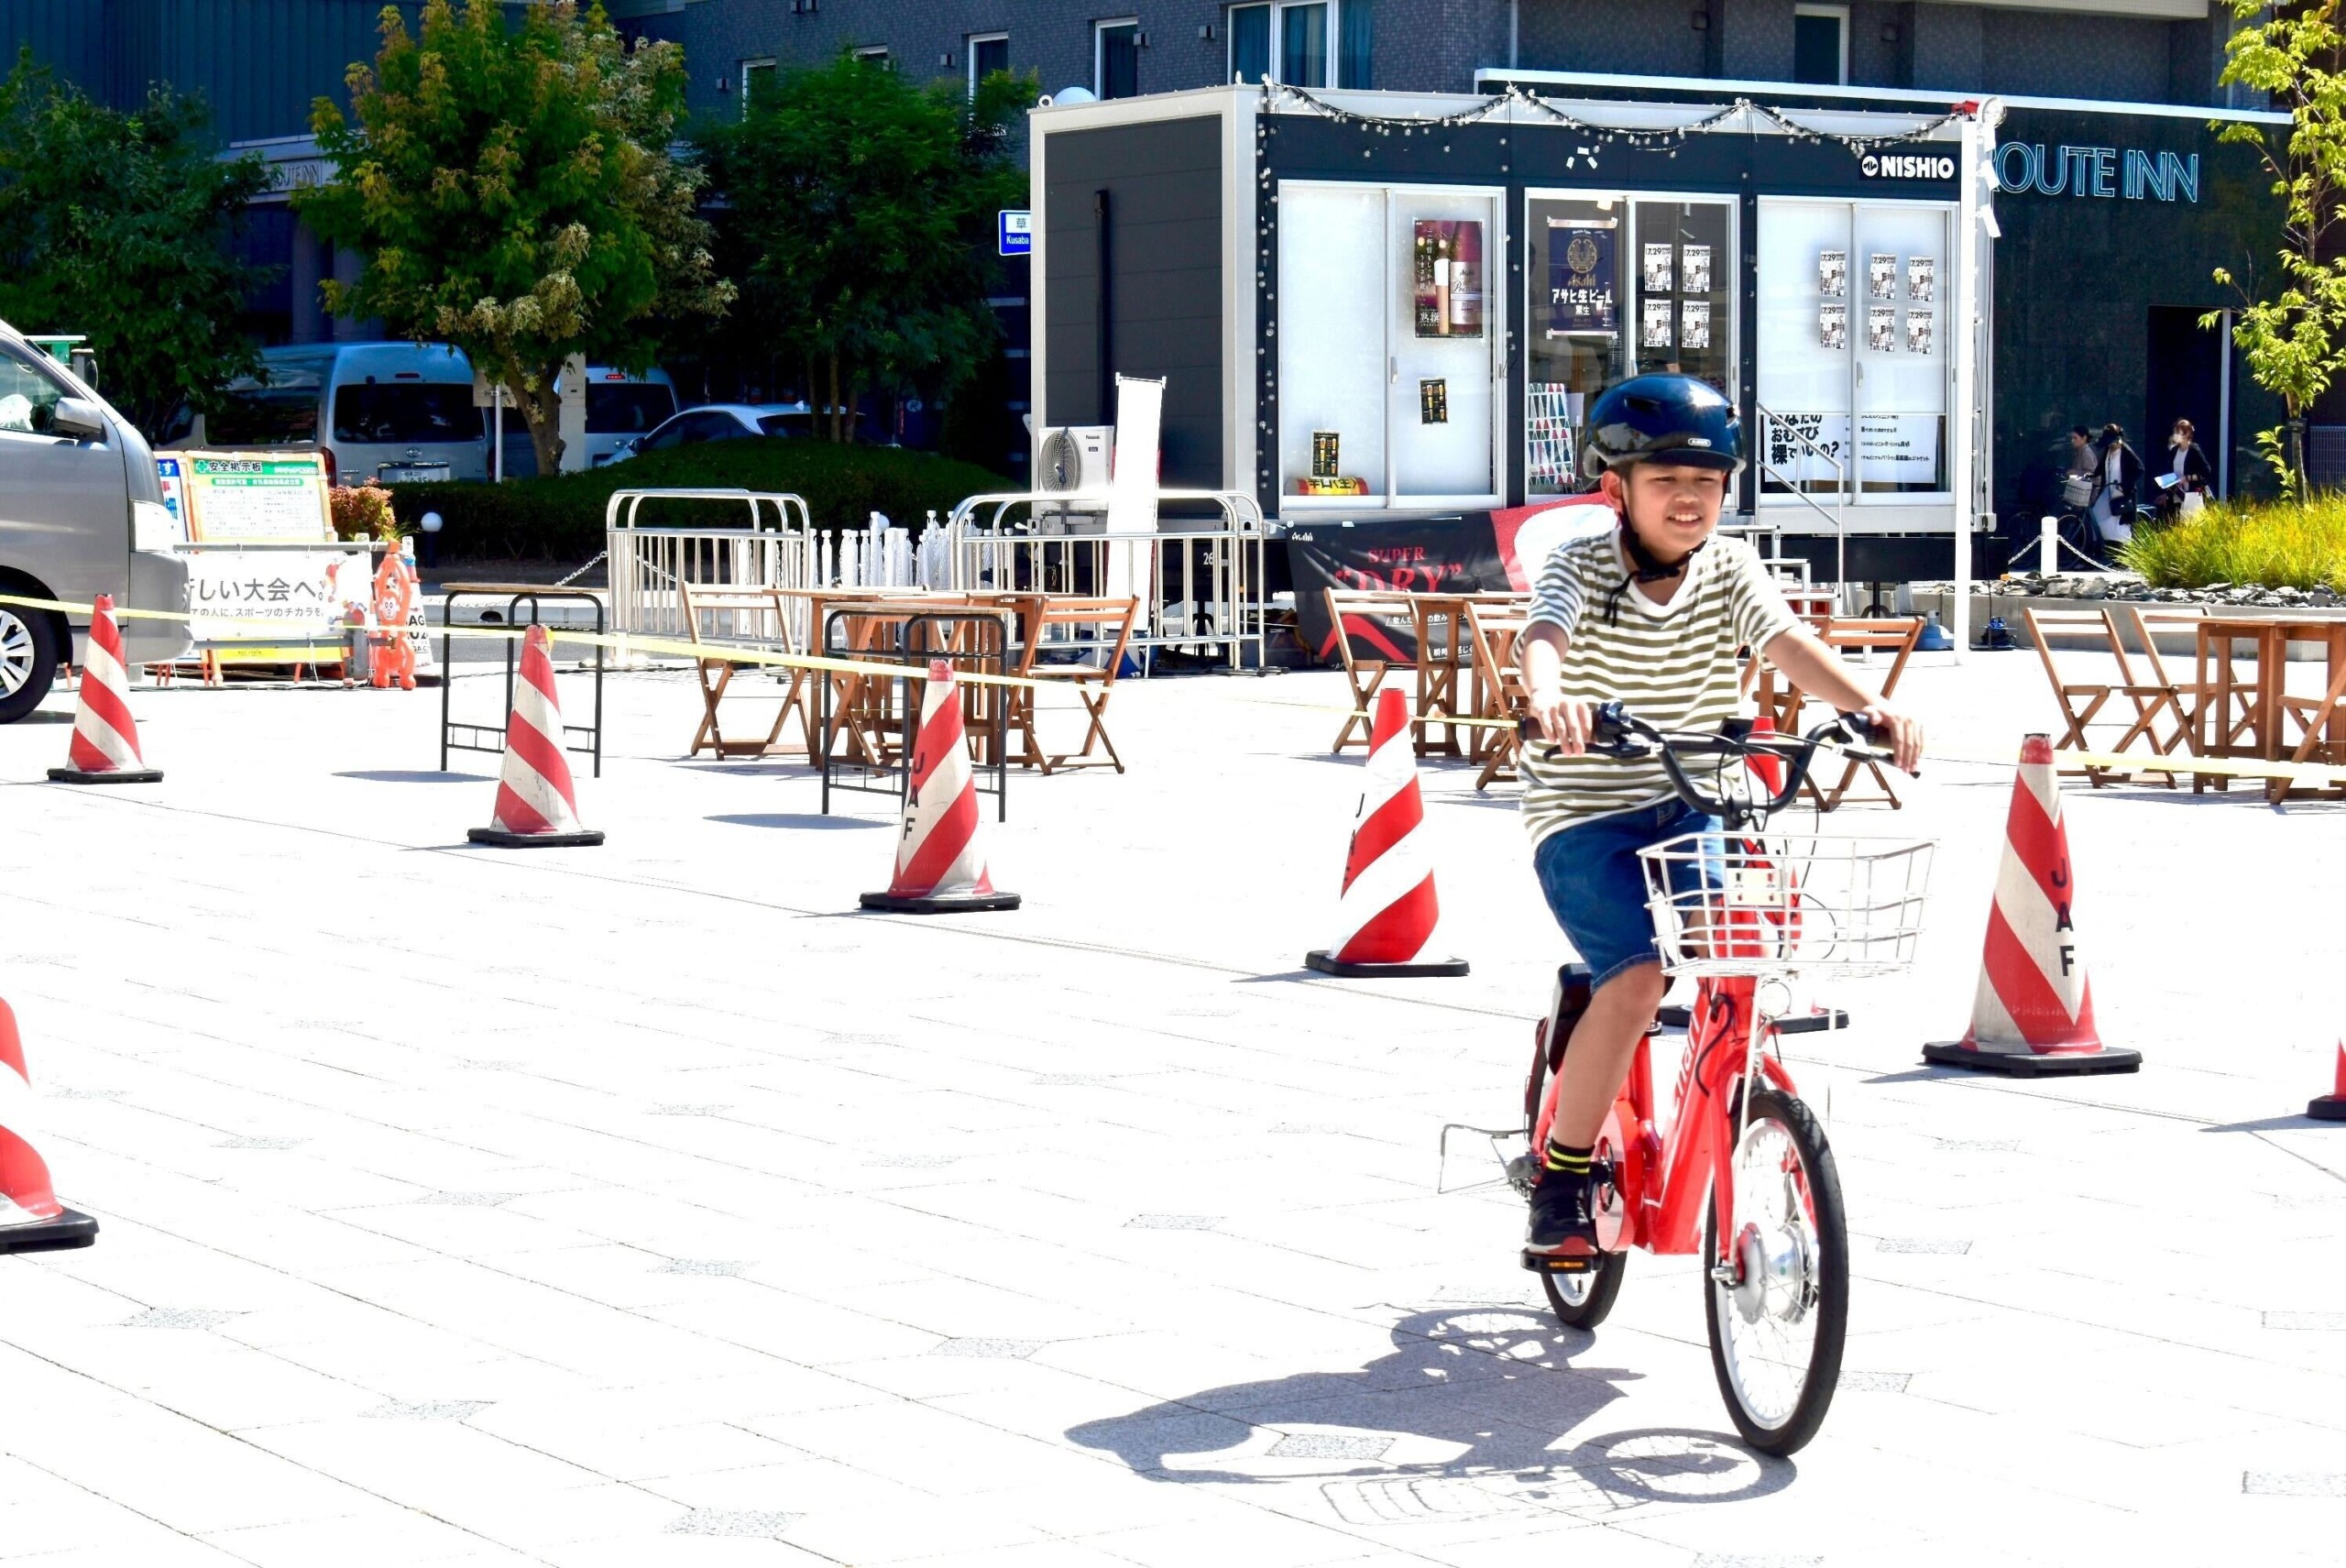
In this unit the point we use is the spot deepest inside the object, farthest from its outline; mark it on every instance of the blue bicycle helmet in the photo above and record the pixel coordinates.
(1662, 419)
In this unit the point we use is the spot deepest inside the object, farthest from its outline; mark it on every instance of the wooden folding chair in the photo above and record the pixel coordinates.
(1894, 636)
(1494, 630)
(2092, 635)
(1110, 623)
(2154, 692)
(2322, 719)
(1374, 615)
(750, 619)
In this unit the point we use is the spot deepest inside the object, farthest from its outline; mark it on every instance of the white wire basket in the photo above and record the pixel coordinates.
(1724, 904)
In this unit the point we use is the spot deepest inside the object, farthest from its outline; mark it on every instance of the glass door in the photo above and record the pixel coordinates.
(1390, 346)
(1442, 346)
(1805, 368)
(1902, 367)
(1618, 285)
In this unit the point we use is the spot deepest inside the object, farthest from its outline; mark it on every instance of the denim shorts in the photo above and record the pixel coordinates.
(1595, 885)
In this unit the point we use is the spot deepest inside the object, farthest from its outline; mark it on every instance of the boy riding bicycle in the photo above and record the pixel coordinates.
(1651, 613)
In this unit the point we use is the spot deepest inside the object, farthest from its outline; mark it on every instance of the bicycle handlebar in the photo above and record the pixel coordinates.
(1615, 731)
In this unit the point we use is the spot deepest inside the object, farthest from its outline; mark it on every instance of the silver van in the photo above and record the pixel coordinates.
(82, 514)
(361, 404)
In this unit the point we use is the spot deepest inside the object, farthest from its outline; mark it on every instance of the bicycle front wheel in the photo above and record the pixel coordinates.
(1778, 1307)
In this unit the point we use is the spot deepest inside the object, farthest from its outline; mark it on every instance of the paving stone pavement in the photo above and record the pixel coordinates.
(649, 1205)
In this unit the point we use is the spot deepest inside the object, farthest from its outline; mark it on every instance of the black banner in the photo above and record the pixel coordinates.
(1452, 556)
(1482, 552)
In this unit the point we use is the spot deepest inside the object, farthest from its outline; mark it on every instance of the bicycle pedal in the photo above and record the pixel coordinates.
(1560, 1262)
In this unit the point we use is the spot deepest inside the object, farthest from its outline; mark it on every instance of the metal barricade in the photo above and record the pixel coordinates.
(649, 566)
(491, 736)
(876, 701)
(1199, 587)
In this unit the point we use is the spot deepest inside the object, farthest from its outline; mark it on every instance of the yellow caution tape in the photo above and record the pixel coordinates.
(1436, 717)
(2215, 767)
(701, 651)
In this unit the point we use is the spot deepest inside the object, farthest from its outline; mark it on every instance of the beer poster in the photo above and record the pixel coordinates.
(1581, 289)
(1447, 266)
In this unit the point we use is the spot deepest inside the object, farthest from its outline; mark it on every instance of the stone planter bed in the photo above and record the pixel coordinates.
(2005, 596)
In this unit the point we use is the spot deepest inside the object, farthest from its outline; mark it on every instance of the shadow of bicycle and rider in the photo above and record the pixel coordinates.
(1465, 1419)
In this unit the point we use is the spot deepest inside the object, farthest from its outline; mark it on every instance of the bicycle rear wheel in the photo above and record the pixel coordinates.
(1778, 1320)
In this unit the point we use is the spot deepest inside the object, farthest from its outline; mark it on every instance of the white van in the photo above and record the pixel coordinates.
(622, 408)
(361, 404)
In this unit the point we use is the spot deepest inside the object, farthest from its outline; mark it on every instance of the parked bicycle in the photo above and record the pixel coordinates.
(1740, 1171)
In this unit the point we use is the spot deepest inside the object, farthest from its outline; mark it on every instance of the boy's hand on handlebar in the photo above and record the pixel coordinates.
(1902, 734)
(1564, 722)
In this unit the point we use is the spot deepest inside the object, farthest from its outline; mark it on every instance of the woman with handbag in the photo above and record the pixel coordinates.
(2183, 486)
(2117, 475)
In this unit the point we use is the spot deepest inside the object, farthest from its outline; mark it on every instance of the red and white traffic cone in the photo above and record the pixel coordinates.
(2332, 1107)
(106, 739)
(31, 1219)
(537, 805)
(940, 866)
(2032, 1015)
(1387, 908)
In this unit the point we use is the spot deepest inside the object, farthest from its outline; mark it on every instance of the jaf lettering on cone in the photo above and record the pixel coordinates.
(2032, 1015)
(106, 739)
(1388, 909)
(31, 1219)
(940, 865)
(537, 805)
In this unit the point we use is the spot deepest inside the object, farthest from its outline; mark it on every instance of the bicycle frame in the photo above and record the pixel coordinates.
(1662, 1175)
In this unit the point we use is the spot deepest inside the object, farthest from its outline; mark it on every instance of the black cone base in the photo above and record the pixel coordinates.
(1327, 962)
(68, 1230)
(584, 837)
(2328, 1108)
(2027, 1064)
(940, 904)
(118, 775)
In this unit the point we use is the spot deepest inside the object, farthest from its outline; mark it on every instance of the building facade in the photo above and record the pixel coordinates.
(2150, 51)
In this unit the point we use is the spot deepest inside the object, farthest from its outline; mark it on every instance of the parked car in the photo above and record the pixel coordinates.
(723, 422)
(361, 404)
(82, 514)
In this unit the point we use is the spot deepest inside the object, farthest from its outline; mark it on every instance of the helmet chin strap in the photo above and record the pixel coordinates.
(1645, 567)
(1651, 567)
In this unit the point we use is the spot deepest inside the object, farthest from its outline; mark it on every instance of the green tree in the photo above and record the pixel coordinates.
(859, 208)
(2295, 341)
(120, 226)
(510, 183)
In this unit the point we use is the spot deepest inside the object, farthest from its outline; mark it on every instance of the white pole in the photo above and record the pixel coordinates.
(497, 436)
(1964, 318)
(2048, 545)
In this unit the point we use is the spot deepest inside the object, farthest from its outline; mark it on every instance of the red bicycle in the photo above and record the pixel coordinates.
(1740, 1169)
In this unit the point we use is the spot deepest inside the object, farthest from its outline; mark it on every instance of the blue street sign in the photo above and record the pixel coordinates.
(1015, 234)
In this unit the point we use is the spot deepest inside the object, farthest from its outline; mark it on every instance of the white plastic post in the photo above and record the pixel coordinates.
(2048, 545)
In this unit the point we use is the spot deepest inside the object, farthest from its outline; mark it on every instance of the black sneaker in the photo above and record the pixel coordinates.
(1561, 1211)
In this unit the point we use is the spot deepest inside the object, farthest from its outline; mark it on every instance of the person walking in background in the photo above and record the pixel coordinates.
(2117, 476)
(2183, 488)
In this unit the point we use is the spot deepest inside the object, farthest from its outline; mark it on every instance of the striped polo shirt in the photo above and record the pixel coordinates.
(1673, 664)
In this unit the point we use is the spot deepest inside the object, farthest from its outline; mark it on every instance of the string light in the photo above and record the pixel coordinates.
(1666, 141)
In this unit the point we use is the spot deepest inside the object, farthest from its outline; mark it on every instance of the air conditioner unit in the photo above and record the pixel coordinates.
(1073, 458)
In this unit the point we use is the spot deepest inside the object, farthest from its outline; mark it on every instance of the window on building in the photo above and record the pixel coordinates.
(1249, 29)
(989, 52)
(876, 55)
(1821, 43)
(1293, 40)
(757, 80)
(1116, 66)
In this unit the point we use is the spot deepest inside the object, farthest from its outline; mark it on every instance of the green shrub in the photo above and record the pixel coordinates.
(2274, 544)
(561, 518)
